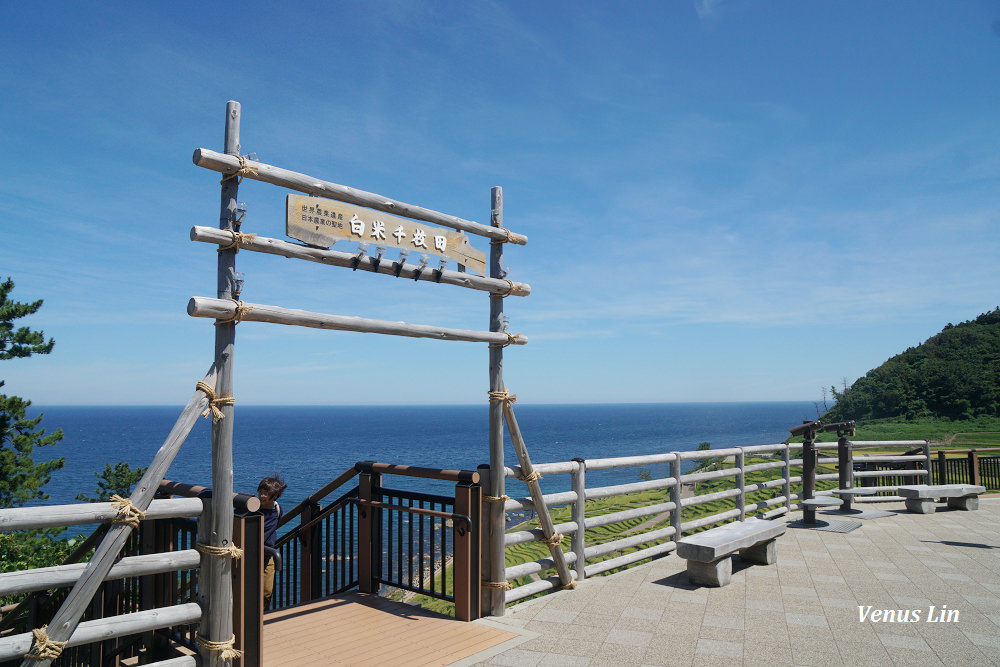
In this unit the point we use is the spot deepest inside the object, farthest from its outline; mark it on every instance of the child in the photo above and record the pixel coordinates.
(269, 490)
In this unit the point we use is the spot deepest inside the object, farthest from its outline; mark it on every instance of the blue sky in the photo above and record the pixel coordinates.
(725, 201)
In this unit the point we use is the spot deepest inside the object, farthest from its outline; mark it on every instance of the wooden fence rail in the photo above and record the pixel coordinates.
(659, 540)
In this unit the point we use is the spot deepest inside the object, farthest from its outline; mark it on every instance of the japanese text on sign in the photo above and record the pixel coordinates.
(323, 222)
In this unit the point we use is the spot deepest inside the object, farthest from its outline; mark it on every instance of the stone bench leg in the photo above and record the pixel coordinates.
(920, 505)
(964, 503)
(765, 553)
(717, 573)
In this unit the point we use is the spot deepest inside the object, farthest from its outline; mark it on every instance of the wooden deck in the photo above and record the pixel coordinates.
(358, 629)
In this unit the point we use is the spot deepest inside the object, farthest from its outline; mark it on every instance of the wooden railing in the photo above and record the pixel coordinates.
(123, 606)
(774, 487)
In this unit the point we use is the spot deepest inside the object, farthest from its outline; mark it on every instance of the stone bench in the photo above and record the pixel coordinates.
(708, 553)
(920, 498)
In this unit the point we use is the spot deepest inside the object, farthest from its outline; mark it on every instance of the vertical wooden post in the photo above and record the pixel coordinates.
(926, 447)
(580, 517)
(786, 487)
(217, 622)
(250, 574)
(485, 525)
(310, 555)
(465, 540)
(942, 468)
(496, 516)
(974, 477)
(239, 586)
(147, 584)
(675, 497)
(741, 500)
(369, 533)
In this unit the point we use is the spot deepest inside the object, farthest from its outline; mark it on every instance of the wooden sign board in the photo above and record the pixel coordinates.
(322, 222)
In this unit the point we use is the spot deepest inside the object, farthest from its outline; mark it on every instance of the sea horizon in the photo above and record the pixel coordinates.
(310, 445)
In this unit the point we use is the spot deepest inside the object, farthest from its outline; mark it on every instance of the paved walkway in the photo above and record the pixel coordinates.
(801, 611)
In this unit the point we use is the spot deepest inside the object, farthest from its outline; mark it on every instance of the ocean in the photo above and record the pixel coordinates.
(309, 446)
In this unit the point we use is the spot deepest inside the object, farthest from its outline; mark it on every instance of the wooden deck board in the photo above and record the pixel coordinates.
(358, 629)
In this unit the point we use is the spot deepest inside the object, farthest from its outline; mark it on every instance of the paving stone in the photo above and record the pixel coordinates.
(715, 647)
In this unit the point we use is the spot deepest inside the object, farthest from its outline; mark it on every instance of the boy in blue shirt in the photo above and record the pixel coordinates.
(269, 490)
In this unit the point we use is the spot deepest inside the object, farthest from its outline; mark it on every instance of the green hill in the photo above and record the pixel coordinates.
(953, 375)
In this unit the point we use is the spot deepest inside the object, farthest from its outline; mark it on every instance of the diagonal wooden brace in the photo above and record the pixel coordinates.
(544, 520)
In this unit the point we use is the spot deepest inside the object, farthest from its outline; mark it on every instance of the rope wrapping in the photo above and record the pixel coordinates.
(502, 395)
(531, 477)
(510, 289)
(241, 310)
(496, 499)
(232, 551)
(127, 512)
(503, 585)
(511, 338)
(214, 402)
(509, 238)
(43, 648)
(555, 540)
(246, 170)
(226, 649)
(238, 240)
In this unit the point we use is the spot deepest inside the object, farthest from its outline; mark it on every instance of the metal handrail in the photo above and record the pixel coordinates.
(413, 510)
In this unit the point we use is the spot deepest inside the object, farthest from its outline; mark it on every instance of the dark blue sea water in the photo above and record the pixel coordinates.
(309, 446)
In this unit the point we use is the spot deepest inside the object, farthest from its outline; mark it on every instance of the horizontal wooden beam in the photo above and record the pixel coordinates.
(88, 632)
(243, 502)
(224, 309)
(43, 578)
(50, 516)
(258, 171)
(347, 259)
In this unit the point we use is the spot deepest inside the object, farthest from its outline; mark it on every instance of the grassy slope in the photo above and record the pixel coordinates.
(943, 434)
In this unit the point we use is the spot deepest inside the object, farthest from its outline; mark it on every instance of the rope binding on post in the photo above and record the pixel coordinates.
(502, 395)
(530, 478)
(43, 648)
(511, 285)
(555, 540)
(232, 551)
(127, 512)
(227, 649)
(243, 170)
(496, 499)
(239, 239)
(502, 585)
(511, 339)
(214, 402)
(241, 310)
(509, 239)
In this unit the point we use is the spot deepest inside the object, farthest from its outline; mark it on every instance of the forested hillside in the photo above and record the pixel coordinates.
(954, 375)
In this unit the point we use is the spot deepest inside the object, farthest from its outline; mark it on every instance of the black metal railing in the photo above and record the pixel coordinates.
(418, 543)
(377, 539)
(323, 545)
(968, 466)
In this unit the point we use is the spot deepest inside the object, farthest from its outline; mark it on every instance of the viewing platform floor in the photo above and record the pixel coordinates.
(358, 629)
(803, 610)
